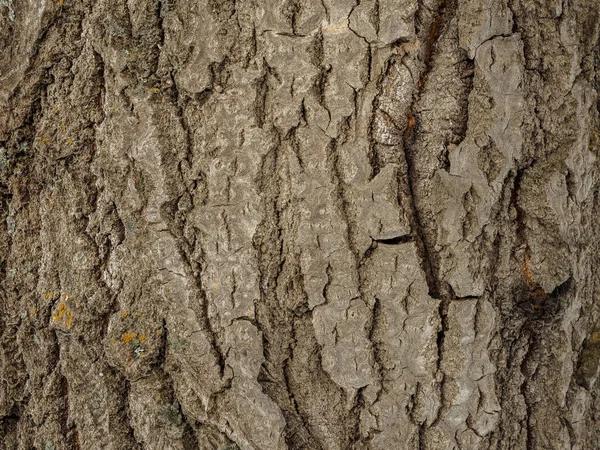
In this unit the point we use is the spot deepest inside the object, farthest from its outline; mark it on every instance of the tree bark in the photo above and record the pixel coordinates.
(299, 224)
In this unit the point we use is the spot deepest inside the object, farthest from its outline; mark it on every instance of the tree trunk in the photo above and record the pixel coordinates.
(299, 224)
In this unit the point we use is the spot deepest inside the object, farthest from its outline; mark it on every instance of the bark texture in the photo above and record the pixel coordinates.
(299, 224)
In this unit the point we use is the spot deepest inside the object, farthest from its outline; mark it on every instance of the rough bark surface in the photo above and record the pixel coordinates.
(299, 224)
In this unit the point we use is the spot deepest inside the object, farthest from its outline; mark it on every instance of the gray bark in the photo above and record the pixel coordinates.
(303, 224)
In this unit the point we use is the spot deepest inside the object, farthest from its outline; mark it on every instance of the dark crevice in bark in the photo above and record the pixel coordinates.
(100, 237)
(341, 195)
(69, 429)
(344, 207)
(531, 299)
(539, 306)
(530, 439)
(284, 319)
(359, 405)
(302, 433)
(292, 138)
(320, 81)
(423, 237)
(302, 427)
(194, 272)
(9, 425)
(596, 132)
(396, 240)
(291, 10)
(272, 318)
(460, 130)
(176, 223)
(427, 261)
(19, 159)
(506, 390)
(220, 74)
(261, 100)
(22, 137)
(378, 354)
(520, 213)
(421, 435)
(433, 34)
(189, 438)
(426, 252)
(126, 412)
(515, 27)
(161, 11)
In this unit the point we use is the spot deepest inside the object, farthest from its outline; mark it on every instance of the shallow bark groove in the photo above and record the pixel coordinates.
(313, 224)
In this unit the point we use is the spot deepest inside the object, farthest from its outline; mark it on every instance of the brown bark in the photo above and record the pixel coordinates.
(304, 224)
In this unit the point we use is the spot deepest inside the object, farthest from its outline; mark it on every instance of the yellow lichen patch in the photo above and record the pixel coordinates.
(70, 140)
(63, 311)
(60, 2)
(48, 295)
(128, 337)
(60, 311)
(32, 311)
(124, 313)
(139, 314)
(142, 338)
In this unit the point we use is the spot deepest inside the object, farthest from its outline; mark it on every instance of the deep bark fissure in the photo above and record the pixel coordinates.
(410, 134)
(271, 314)
(346, 213)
